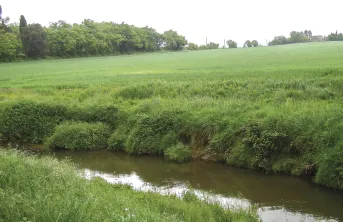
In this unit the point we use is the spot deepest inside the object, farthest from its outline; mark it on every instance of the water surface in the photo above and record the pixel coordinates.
(279, 197)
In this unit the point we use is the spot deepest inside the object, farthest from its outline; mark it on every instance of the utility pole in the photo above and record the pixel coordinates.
(224, 44)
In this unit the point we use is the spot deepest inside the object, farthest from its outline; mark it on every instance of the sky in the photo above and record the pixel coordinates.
(216, 20)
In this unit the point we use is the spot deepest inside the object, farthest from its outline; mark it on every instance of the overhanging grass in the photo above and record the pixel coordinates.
(44, 189)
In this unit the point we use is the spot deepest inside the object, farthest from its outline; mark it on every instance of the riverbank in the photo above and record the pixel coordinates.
(44, 189)
(271, 109)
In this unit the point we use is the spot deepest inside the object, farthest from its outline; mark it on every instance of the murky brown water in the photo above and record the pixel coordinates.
(281, 198)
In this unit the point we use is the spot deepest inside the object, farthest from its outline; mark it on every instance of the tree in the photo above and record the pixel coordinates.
(254, 43)
(297, 37)
(202, 47)
(231, 44)
(3, 22)
(153, 39)
(212, 45)
(23, 32)
(22, 24)
(37, 45)
(62, 39)
(192, 46)
(247, 44)
(278, 40)
(173, 41)
(335, 37)
(9, 45)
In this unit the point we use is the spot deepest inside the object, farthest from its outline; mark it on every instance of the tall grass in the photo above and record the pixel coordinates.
(44, 189)
(274, 109)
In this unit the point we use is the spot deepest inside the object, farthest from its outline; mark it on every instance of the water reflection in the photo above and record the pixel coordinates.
(173, 188)
(282, 198)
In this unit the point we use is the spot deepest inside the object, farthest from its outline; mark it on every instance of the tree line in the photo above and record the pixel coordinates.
(303, 36)
(335, 37)
(210, 45)
(90, 38)
(295, 37)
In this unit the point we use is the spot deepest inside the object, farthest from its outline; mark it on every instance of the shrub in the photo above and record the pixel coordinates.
(30, 121)
(117, 141)
(257, 146)
(178, 153)
(149, 133)
(330, 169)
(79, 135)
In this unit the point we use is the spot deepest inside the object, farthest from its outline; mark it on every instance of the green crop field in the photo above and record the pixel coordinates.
(274, 109)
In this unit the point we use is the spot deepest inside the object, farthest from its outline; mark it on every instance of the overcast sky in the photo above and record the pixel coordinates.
(215, 19)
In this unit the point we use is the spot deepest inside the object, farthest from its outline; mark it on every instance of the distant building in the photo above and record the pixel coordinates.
(316, 38)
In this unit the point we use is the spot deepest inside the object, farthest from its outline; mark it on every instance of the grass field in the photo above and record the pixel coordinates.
(276, 109)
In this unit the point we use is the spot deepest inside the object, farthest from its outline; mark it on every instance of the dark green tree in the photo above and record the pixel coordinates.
(22, 24)
(247, 44)
(212, 45)
(37, 45)
(23, 33)
(231, 44)
(254, 43)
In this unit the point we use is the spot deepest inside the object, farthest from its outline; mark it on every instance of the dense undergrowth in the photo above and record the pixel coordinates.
(268, 111)
(44, 189)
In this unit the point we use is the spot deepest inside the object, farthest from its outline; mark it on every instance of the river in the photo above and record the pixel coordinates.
(278, 197)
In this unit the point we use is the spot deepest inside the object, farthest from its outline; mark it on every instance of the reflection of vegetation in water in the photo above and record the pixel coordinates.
(43, 189)
(294, 194)
(274, 109)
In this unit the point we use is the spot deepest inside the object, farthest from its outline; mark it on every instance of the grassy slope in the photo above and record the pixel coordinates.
(43, 189)
(271, 108)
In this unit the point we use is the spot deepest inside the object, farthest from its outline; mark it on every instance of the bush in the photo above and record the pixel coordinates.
(150, 132)
(256, 147)
(79, 135)
(330, 169)
(30, 121)
(117, 141)
(178, 153)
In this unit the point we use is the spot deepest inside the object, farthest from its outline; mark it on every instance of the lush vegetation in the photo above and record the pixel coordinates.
(60, 39)
(79, 135)
(22, 40)
(178, 153)
(44, 189)
(335, 37)
(274, 109)
(295, 37)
